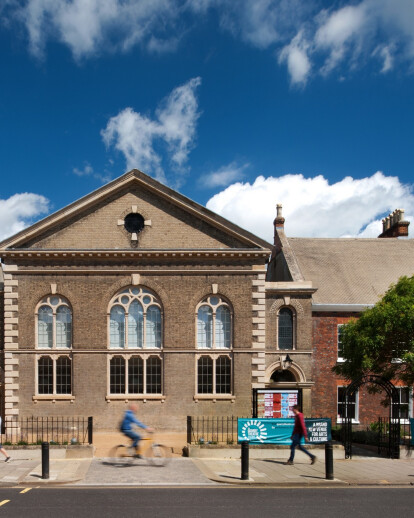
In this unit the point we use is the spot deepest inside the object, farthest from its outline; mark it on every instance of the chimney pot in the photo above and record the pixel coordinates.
(279, 210)
(394, 225)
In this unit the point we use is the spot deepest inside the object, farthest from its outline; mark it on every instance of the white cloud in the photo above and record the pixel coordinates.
(339, 31)
(341, 25)
(86, 171)
(295, 54)
(385, 53)
(345, 34)
(136, 135)
(19, 211)
(306, 39)
(313, 207)
(89, 171)
(223, 176)
(261, 23)
(89, 26)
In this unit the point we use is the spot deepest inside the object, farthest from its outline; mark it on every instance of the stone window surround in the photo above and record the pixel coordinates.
(112, 303)
(213, 396)
(134, 397)
(223, 302)
(62, 302)
(295, 368)
(51, 397)
(294, 325)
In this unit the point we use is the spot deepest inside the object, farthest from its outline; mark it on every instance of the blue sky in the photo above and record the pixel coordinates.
(237, 104)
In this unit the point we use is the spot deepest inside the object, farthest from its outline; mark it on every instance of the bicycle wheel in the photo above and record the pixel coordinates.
(122, 455)
(158, 455)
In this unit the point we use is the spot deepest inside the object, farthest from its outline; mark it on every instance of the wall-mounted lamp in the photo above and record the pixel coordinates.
(287, 362)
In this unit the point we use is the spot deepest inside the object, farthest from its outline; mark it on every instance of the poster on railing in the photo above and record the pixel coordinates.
(279, 431)
(276, 403)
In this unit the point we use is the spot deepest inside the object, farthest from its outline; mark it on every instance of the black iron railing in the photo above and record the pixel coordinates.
(55, 430)
(212, 429)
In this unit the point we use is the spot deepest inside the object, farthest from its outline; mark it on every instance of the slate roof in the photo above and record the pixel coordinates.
(352, 271)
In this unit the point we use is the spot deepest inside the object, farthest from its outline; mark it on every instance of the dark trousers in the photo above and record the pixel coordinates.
(296, 438)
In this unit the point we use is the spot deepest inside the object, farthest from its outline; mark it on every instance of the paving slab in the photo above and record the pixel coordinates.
(358, 471)
(361, 471)
(179, 471)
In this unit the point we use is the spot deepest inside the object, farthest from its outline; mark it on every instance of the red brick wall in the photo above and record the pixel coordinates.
(324, 392)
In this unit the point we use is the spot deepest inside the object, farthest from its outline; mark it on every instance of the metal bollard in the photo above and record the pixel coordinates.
(45, 460)
(329, 472)
(245, 460)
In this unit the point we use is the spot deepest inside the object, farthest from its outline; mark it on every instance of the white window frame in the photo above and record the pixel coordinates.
(48, 301)
(214, 395)
(206, 302)
(339, 359)
(410, 403)
(355, 419)
(54, 395)
(140, 396)
(128, 292)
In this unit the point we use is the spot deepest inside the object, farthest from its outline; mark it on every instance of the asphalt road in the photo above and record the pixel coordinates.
(207, 502)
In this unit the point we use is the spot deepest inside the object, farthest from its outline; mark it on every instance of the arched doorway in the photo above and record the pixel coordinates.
(282, 376)
(389, 440)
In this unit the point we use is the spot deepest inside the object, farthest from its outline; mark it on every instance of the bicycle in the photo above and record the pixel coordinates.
(155, 454)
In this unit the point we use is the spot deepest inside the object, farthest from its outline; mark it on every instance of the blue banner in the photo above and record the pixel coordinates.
(279, 431)
(412, 430)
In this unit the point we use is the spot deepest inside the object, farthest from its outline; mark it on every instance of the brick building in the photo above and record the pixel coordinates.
(347, 276)
(133, 293)
(136, 293)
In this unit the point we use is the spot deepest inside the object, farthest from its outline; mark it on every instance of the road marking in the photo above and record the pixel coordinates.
(4, 502)
(25, 490)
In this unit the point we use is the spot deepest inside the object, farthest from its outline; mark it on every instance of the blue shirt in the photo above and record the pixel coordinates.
(129, 420)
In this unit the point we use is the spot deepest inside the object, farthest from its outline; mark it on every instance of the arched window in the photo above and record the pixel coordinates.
(282, 376)
(54, 323)
(214, 323)
(285, 329)
(135, 320)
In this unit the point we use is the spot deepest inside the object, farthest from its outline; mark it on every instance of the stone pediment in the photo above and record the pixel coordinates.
(134, 212)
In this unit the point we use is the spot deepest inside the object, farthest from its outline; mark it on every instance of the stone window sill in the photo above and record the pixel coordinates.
(53, 397)
(135, 397)
(214, 397)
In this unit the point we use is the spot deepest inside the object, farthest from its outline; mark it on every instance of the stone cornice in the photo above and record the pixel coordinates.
(294, 287)
(155, 253)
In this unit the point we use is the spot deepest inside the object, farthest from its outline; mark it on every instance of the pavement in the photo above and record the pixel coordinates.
(180, 471)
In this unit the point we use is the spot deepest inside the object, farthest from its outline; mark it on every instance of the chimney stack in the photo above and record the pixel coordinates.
(279, 226)
(279, 221)
(394, 225)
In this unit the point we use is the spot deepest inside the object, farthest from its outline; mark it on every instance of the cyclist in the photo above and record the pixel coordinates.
(128, 423)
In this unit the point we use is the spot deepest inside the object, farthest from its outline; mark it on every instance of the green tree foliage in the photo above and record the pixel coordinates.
(381, 341)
